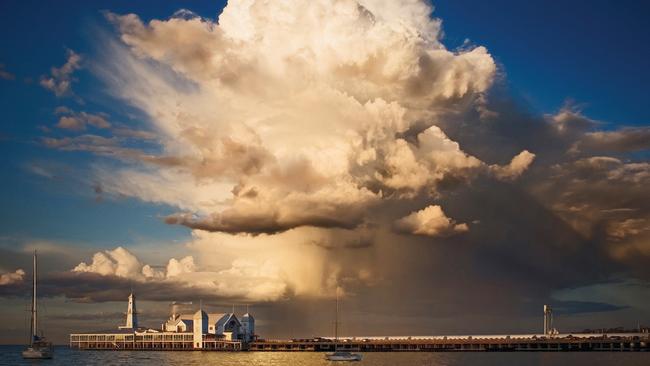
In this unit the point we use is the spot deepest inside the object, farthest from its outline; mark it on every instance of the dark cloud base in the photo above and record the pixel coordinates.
(92, 287)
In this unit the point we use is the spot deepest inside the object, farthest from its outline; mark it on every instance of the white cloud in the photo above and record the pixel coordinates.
(245, 279)
(77, 121)
(10, 278)
(430, 221)
(118, 262)
(60, 79)
(177, 267)
(517, 166)
(256, 268)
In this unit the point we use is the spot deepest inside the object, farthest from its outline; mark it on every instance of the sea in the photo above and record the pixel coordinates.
(10, 355)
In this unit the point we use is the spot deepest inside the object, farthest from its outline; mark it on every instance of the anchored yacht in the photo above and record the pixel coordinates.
(340, 355)
(39, 347)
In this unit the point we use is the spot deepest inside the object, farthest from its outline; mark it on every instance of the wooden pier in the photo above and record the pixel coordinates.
(469, 344)
(164, 341)
(167, 341)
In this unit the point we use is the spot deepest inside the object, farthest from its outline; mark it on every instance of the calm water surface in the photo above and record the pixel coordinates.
(10, 355)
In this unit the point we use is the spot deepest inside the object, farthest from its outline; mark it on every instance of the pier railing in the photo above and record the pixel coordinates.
(184, 342)
(444, 344)
(151, 342)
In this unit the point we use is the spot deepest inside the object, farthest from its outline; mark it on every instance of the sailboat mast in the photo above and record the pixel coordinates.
(34, 330)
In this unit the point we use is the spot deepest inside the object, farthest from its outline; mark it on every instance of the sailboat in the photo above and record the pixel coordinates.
(38, 347)
(340, 355)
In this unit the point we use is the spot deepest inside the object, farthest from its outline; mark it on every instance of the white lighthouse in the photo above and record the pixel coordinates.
(131, 315)
(200, 322)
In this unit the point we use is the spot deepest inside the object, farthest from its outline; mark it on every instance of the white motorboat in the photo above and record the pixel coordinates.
(340, 355)
(39, 347)
(343, 356)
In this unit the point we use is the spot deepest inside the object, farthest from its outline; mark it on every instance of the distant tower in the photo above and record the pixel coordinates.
(548, 320)
(248, 326)
(131, 315)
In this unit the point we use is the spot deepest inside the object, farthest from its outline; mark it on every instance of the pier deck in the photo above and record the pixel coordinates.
(630, 342)
(149, 342)
(627, 342)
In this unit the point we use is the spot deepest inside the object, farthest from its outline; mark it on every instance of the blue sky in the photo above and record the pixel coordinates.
(589, 55)
(65, 209)
(588, 51)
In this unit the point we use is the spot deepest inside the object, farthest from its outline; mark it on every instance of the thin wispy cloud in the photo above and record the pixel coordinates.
(6, 75)
(60, 79)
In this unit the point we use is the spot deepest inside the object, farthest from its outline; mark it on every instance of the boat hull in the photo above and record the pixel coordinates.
(37, 353)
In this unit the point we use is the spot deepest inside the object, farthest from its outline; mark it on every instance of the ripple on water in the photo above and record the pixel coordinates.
(10, 355)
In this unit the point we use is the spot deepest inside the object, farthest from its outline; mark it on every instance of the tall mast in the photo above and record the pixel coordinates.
(336, 323)
(34, 330)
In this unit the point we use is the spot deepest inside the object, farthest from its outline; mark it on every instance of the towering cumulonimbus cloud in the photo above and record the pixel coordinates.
(295, 114)
(306, 117)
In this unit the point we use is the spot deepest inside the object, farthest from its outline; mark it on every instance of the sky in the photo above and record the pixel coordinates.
(450, 166)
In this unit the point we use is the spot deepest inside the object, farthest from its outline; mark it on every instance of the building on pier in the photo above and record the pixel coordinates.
(179, 323)
(248, 327)
(182, 331)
